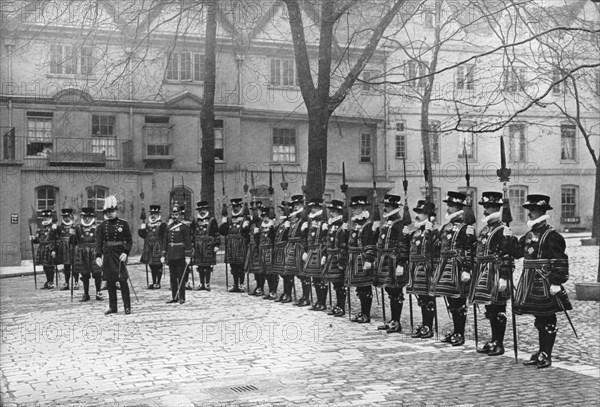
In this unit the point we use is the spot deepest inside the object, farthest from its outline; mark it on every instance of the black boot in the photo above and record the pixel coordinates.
(459, 337)
(498, 335)
(340, 308)
(201, 277)
(366, 309)
(396, 308)
(545, 358)
(235, 288)
(207, 279)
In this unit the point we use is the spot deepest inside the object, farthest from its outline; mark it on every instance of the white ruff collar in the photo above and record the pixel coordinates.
(203, 217)
(419, 224)
(532, 223)
(296, 212)
(47, 222)
(283, 217)
(334, 219)
(363, 215)
(450, 216)
(67, 223)
(314, 215)
(236, 214)
(84, 223)
(267, 223)
(491, 217)
(388, 214)
(156, 220)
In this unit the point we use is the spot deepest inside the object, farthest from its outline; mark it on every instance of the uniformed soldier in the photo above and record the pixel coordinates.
(177, 251)
(279, 245)
(390, 271)
(235, 250)
(492, 270)
(453, 271)
(335, 255)
(265, 254)
(205, 240)
(420, 254)
(66, 231)
(295, 248)
(252, 265)
(153, 234)
(316, 237)
(85, 254)
(113, 244)
(46, 250)
(362, 253)
(545, 268)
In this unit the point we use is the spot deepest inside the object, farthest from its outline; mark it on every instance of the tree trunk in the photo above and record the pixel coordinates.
(318, 122)
(207, 115)
(596, 212)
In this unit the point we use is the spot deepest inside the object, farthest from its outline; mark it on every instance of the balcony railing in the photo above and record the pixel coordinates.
(36, 152)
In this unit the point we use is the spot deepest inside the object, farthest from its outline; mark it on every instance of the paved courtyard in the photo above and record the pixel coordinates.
(222, 349)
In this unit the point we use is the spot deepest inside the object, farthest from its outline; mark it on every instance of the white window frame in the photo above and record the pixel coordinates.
(185, 66)
(517, 147)
(284, 152)
(569, 143)
(282, 72)
(401, 142)
(465, 77)
(517, 195)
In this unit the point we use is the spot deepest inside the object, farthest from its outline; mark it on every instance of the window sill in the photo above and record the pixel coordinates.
(284, 87)
(71, 76)
(567, 161)
(284, 163)
(180, 82)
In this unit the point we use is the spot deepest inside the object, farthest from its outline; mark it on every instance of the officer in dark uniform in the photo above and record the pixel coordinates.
(177, 251)
(205, 240)
(420, 253)
(315, 240)
(295, 248)
(390, 272)
(545, 268)
(279, 245)
(252, 265)
(492, 269)
(453, 271)
(237, 233)
(153, 234)
(266, 233)
(46, 250)
(335, 255)
(66, 231)
(85, 254)
(113, 244)
(362, 253)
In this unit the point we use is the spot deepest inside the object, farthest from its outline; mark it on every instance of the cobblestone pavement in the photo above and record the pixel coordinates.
(231, 349)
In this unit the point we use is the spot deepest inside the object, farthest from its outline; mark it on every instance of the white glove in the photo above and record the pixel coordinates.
(216, 249)
(31, 237)
(287, 224)
(376, 225)
(163, 260)
(304, 257)
(99, 261)
(502, 284)
(367, 265)
(123, 257)
(465, 277)
(323, 260)
(554, 289)
(304, 226)
(406, 230)
(507, 232)
(53, 254)
(54, 226)
(428, 225)
(143, 226)
(470, 230)
(187, 260)
(224, 220)
(256, 230)
(399, 271)
(245, 224)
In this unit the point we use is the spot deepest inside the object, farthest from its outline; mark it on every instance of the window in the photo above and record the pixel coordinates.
(31, 12)
(283, 72)
(219, 140)
(365, 148)
(466, 144)
(158, 134)
(436, 199)
(568, 149)
(400, 140)
(369, 75)
(186, 66)
(514, 79)
(598, 83)
(568, 212)
(45, 197)
(96, 196)
(517, 151)
(418, 69)
(106, 145)
(465, 77)
(517, 195)
(103, 125)
(71, 60)
(284, 144)
(434, 140)
(39, 134)
(556, 77)
(182, 197)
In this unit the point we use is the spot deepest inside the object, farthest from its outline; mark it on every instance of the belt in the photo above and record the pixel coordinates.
(448, 253)
(538, 263)
(417, 257)
(110, 243)
(176, 244)
(485, 259)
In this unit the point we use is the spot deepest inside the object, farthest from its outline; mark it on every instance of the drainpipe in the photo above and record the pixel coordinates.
(385, 118)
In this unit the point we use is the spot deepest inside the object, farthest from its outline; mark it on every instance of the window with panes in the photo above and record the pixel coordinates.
(284, 144)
